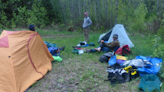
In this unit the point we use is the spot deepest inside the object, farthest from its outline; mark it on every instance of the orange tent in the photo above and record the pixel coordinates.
(24, 59)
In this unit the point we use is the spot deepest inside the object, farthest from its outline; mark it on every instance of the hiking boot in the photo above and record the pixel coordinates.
(62, 48)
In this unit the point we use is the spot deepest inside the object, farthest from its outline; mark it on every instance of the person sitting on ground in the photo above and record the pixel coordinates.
(110, 45)
(31, 27)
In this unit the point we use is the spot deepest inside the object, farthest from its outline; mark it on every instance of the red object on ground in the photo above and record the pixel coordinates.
(123, 50)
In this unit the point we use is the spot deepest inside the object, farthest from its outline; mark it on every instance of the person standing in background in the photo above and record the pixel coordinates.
(87, 22)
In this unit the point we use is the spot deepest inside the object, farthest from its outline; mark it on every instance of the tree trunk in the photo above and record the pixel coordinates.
(62, 10)
(74, 11)
(128, 10)
(105, 2)
(111, 13)
(116, 12)
(89, 4)
(79, 5)
(84, 5)
(70, 10)
(158, 12)
(52, 4)
(95, 11)
(163, 4)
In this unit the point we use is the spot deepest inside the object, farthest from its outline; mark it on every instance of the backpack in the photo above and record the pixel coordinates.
(105, 57)
(54, 51)
(123, 50)
(117, 76)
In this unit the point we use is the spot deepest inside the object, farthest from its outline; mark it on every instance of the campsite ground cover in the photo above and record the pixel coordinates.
(84, 73)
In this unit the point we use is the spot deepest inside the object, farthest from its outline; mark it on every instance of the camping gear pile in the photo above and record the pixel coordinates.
(122, 70)
(79, 48)
(54, 50)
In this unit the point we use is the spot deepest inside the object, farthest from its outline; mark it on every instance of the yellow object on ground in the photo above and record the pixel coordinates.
(134, 73)
(129, 68)
(24, 59)
(121, 57)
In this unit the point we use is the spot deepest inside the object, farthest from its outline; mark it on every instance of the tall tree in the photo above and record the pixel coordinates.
(106, 8)
(111, 13)
(116, 11)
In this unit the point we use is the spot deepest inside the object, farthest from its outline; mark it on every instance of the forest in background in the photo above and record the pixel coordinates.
(136, 15)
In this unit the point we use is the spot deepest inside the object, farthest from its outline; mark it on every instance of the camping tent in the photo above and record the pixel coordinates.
(24, 59)
(122, 36)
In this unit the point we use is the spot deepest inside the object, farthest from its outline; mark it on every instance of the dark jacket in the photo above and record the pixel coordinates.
(111, 45)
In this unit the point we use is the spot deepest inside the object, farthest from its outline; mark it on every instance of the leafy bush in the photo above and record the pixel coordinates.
(138, 19)
(20, 19)
(19, 13)
(53, 10)
(158, 51)
(3, 18)
(38, 15)
(158, 46)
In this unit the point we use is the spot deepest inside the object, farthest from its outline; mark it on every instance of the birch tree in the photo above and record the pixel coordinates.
(116, 11)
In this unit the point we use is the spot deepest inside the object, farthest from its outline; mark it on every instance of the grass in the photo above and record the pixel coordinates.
(84, 73)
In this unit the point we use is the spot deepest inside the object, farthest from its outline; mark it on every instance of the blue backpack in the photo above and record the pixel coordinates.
(54, 51)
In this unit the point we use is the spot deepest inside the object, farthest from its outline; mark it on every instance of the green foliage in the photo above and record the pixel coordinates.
(151, 7)
(38, 15)
(158, 47)
(132, 14)
(137, 21)
(20, 18)
(161, 32)
(158, 50)
(3, 18)
(102, 28)
(52, 7)
(21, 13)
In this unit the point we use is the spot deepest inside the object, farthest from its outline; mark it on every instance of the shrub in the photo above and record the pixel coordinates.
(137, 21)
(3, 18)
(38, 15)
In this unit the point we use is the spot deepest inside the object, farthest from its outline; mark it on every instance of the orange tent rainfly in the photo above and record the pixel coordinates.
(24, 59)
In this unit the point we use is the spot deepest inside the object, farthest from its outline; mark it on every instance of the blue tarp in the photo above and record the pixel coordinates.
(150, 69)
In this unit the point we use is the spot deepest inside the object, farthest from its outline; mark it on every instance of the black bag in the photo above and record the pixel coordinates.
(105, 57)
(115, 78)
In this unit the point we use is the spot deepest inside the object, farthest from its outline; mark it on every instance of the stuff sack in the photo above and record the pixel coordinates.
(105, 57)
(123, 50)
(112, 60)
(54, 51)
(150, 83)
(50, 44)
